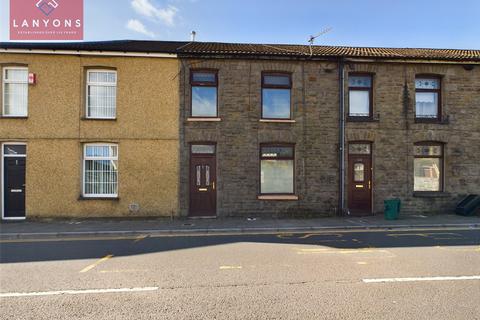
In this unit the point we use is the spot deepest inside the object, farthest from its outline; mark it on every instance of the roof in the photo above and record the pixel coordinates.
(109, 46)
(213, 49)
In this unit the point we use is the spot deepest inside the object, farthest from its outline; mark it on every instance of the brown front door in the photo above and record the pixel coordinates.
(360, 179)
(203, 179)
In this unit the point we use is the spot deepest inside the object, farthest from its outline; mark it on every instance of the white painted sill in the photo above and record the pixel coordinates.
(277, 120)
(204, 119)
(279, 197)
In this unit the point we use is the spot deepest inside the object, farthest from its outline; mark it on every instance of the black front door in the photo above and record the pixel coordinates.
(14, 187)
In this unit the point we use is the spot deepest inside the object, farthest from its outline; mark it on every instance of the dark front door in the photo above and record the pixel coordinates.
(203, 197)
(14, 187)
(360, 184)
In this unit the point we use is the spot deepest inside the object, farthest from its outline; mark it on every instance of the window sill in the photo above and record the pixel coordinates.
(277, 120)
(362, 119)
(14, 117)
(433, 121)
(82, 198)
(193, 119)
(431, 194)
(99, 119)
(278, 197)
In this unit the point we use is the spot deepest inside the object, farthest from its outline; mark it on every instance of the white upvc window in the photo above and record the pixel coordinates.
(101, 94)
(100, 170)
(15, 92)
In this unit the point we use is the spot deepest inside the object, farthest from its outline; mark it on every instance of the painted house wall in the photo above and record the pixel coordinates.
(315, 134)
(146, 130)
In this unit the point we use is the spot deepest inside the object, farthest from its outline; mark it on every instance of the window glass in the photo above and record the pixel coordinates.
(276, 176)
(276, 103)
(358, 172)
(426, 104)
(203, 148)
(359, 148)
(422, 83)
(101, 170)
(427, 174)
(204, 101)
(359, 103)
(101, 94)
(277, 152)
(276, 80)
(17, 149)
(428, 150)
(15, 92)
(208, 77)
(360, 81)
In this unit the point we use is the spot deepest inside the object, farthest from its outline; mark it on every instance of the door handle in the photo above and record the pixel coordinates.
(202, 189)
(16, 190)
(369, 184)
(213, 185)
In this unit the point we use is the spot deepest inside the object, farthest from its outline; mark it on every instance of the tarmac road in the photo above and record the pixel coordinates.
(400, 274)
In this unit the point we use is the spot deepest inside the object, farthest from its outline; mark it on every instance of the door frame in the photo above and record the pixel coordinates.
(2, 176)
(190, 156)
(371, 211)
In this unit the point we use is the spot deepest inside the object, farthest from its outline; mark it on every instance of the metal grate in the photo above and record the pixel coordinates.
(101, 170)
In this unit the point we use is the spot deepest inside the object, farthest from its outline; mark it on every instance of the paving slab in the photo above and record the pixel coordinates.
(79, 227)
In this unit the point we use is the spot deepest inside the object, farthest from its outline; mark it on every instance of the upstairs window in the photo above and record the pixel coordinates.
(277, 169)
(100, 170)
(101, 94)
(360, 96)
(427, 98)
(276, 96)
(15, 92)
(428, 167)
(204, 94)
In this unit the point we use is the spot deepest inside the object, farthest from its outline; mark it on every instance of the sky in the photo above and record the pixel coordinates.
(372, 23)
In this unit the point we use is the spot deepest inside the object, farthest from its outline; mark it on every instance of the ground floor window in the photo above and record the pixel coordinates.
(428, 167)
(100, 170)
(277, 169)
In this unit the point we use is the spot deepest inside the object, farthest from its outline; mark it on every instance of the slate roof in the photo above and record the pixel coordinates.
(245, 49)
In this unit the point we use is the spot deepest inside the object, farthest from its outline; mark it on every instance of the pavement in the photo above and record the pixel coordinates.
(323, 274)
(255, 224)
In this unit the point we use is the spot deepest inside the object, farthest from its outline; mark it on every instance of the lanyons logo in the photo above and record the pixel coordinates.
(47, 6)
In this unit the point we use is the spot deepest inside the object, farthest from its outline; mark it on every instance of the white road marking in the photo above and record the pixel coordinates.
(230, 267)
(414, 279)
(86, 291)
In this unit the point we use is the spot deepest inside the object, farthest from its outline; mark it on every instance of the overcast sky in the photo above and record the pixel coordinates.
(384, 23)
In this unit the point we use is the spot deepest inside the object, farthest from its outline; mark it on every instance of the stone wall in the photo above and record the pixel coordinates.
(315, 134)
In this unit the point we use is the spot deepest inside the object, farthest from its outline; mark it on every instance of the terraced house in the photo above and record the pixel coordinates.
(221, 129)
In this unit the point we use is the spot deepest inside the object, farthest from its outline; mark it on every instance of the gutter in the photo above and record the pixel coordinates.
(91, 53)
(341, 141)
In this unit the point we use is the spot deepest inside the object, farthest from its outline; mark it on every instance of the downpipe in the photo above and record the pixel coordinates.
(341, 142)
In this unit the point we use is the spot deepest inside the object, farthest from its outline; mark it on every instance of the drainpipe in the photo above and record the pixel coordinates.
(341, 144)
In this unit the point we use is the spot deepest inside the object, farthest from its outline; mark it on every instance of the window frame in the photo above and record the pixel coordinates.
(437, 91)
(104, 84)
(442, 163)
(84, 159)
(270, 86)
(203, 84)
(4, 81)
(370, 95)
(289, 145)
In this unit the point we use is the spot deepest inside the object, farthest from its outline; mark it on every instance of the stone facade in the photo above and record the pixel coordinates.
(315, 133)
(145, 129)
